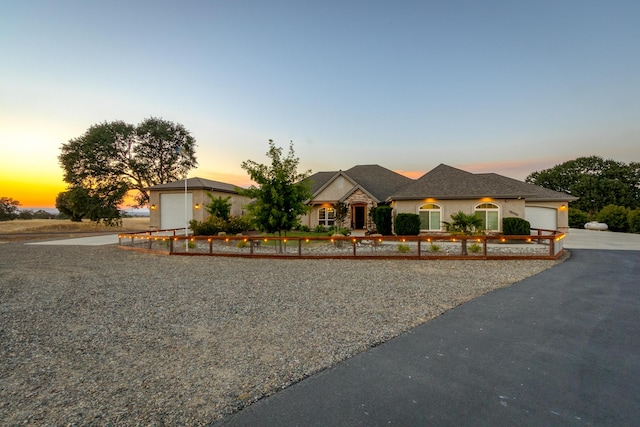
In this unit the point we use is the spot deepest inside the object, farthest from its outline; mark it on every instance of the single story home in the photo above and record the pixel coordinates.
(169, 202)
(436, 195)
(359, 188)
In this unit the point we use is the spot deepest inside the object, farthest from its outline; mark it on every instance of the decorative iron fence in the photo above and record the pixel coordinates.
(544, 244)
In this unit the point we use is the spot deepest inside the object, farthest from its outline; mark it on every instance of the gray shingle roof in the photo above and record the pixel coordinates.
(197, 184)
(379, 182)
(446, 182)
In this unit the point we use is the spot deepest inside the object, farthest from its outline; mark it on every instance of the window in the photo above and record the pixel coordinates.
(490, 215)
(430, 217)
(326, 216)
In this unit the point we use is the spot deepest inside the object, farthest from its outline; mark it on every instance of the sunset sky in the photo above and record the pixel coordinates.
(487, 86)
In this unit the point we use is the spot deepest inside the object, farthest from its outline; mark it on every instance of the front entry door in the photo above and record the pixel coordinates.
(359, 215)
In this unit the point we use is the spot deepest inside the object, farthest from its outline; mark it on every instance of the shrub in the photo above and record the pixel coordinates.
(304, 228)
(237, 224)
(407, 224)
(434, 248)
(403, 248)
(634, 221)
(516, 227)
(320, 229)
(339, 230)
(209, 227)
(616, 217)
(475, 248)
(577, 218)
(382, 219)
(218, 206)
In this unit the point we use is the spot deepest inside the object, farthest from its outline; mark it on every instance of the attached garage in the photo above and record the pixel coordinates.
(172, 210)
(544, 218)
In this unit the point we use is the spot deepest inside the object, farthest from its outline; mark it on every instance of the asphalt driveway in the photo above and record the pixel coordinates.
(558, 348)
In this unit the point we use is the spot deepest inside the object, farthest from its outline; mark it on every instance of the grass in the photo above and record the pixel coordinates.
(31, 229)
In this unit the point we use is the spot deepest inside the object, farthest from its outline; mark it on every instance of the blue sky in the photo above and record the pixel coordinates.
(488, 86)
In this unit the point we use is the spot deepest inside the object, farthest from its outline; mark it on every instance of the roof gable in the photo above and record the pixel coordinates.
(378, 181)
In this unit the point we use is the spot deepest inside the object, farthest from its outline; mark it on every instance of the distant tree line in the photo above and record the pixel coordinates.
(608, 191)
(9, 210)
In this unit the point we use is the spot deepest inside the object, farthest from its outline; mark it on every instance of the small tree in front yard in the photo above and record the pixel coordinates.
(465, 225)
(281, 193)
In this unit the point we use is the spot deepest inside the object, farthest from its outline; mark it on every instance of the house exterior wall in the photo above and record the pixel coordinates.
(199, 197)
(334, 191)
(358, 198)
(508, 208)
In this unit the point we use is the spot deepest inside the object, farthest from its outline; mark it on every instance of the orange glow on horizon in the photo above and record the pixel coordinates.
(36, 191)
(410, 174)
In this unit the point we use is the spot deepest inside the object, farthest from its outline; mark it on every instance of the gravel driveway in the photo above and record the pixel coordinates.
(97, 335)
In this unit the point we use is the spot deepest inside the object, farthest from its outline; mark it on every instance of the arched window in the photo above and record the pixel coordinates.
(326, 216)
(430, 214)
(490, 214)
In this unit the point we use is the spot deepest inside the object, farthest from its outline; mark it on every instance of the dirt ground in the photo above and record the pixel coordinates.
(38, 229)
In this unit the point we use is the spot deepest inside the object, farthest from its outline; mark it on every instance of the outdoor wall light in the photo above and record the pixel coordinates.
(197, 206)
(153, 207)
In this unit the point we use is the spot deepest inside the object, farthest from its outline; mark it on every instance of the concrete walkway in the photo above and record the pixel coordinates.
(592, 239)
(558, 348)
(105, 239)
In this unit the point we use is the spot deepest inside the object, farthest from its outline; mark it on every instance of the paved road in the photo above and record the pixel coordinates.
(559, 348)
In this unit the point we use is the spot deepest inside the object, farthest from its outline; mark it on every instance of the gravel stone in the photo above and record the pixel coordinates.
(99, 336)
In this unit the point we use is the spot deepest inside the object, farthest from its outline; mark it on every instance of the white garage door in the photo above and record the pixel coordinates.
(172, 210)
(545, 218)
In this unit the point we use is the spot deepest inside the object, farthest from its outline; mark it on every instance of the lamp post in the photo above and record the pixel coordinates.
(186, 217)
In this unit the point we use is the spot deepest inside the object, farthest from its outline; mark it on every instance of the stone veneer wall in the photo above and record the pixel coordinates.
(360, 198)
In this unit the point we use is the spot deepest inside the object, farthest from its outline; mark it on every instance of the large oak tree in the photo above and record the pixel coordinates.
(113, 158)
(595, 181)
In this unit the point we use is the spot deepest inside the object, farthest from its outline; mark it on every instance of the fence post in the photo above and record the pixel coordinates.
(419, 252)
(484, 245)
(552, 243)
(299, 247)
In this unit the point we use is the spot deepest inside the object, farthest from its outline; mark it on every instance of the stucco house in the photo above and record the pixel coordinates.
(167, 204)
(434, 196)
(360, 188)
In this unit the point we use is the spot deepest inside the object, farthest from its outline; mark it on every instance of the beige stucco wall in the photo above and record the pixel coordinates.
(200, 198)
(508, 208)
(334, 191)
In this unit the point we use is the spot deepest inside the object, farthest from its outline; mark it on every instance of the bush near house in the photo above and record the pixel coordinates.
(577, 218)
(407, 224)
(634, 221)
(382, 219)
(516, 227)
(616, 217)
(214, 225)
